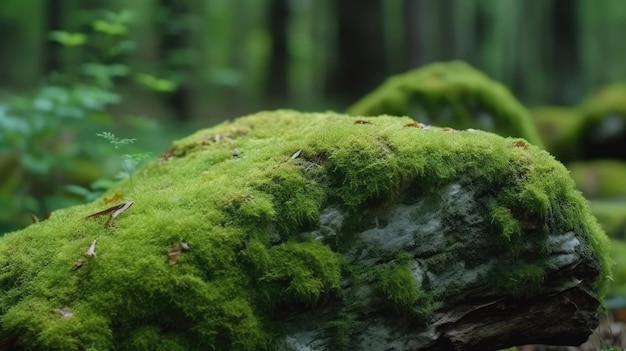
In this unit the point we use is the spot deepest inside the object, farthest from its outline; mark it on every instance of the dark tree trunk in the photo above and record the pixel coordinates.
(566, 61)
(360, 60)
(278, 20)
(174, 40)
(55, 22)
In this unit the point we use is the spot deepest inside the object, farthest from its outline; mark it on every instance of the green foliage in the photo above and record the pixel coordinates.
(157, 84)
(48, 158)
(115, 140)
(68, 39)
(130, 162)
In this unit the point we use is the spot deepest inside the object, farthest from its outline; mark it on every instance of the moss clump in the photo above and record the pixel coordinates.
(452, 94)
(518, 281)
(296, 273)
(247, 221)
(340, 330)
(508, 228)
(399, 287)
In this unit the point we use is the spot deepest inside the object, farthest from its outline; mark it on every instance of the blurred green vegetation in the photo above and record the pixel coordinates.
(50, 154)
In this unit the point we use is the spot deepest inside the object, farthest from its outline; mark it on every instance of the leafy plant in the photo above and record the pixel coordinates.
(47, 160)
(129, 161)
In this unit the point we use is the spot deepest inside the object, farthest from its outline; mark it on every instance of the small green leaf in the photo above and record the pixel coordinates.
(110, 28)
(157, 84)
(68, 38)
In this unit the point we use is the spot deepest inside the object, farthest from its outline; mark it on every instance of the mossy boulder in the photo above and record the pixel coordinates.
(451, 94)
(603, 179)
(292, 231)
(555, 126)
(612, 217)
(602, 132)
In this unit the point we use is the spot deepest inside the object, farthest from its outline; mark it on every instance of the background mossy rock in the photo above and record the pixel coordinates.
(451, 94)
(600, 179)
(602, 132)
(555, 126)
(321, 232)
(611, 214)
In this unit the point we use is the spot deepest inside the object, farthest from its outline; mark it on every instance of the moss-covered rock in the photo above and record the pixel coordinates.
(555, 126)
(612, 217)
(602, 133)
(451, 94)
(308, 231)
(600, 179)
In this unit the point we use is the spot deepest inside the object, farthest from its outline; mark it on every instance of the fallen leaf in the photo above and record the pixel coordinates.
(413, 125)
(176, 252)
(521, 144)
(79, 263)
(296, 154)
(167, 155)
(65, 312)
(34, 218)
(92, 249)
(115, 211)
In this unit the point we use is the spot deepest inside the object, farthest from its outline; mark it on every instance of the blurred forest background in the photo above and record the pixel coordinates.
(151, 71)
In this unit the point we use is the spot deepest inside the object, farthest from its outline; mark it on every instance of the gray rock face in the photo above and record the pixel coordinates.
(448, 247)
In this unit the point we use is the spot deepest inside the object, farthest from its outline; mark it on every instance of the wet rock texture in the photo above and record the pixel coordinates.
(451, 255)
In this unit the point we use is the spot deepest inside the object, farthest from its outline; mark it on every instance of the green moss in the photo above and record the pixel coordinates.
(296, 272)
(508, 228)
(340, 330)
(452, 94)
(247, 221)
(518, 281)
(399, 287)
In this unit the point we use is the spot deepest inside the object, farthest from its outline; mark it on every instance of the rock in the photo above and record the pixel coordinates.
(327, 232)
(556, 125)
(452, 94)
(600, 179)
(602, 132)
(612, 217)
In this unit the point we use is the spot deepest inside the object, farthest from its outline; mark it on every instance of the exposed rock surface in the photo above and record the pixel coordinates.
(322, 232)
